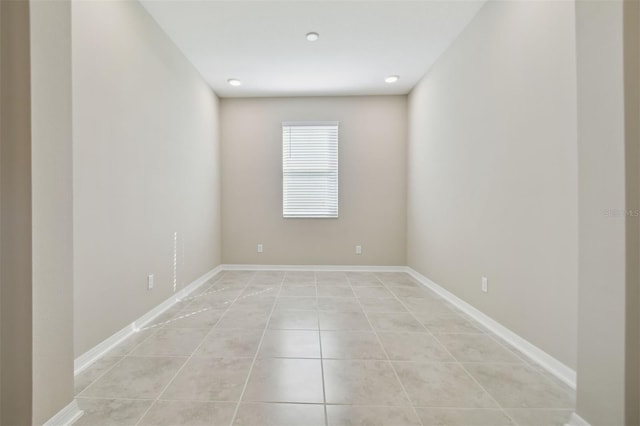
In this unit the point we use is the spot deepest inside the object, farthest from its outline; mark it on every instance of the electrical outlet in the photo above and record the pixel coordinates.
(260, 249)
(358, 249)
(149, 282)
(485, 285)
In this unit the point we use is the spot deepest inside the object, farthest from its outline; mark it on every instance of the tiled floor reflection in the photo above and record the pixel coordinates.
(317, 348)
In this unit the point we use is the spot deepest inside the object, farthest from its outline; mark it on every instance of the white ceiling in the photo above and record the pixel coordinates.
(263, 44)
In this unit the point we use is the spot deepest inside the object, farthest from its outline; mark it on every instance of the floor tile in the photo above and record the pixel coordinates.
(290, 344)
(294, 320)
(285, 380)
(254, 301)
(210, 301)
(209, 379)
(441, 385)
(394, 322)
(414, 347)
(355, 415)
(136, 378)
(537, 417)
(298, 291)
(362, 383)
(518, 386)
(379, 304)
(463, 417)
(292, 303)
(254, 414)
(446, 322)
(195, 318)
(476, 348)
(125, 347)
(111, 412)
(339, 304)
(171, 342)
(343, 321)
(244, 318)
(351, 345)
(95, 370)
(300, 277)
(335, 291)
(372, 292)
(424, 305)
(230, 343)
(189, 413)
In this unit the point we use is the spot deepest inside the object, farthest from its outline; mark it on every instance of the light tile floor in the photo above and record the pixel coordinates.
(317, 348)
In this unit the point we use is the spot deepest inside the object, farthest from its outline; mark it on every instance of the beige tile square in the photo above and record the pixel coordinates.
(441, 385)
(293, 303)
(394, 322)
(339, 304)
(424, 305)
(379, 304)
(230, 343)
(300, 277)
(112, 412)
(446, 322)
(218, 302)
(290, 344)
(209, 379)
(464, 417)
(518, 386)
(343, 321)
(372, 292)
(362, 383)
(285, 380)
(294, 320)
(335, 291)
(195, 318)
(476, 348)
(171, 342)
(260, 414)
(244, 318)
(189, 413)
(135, 378)
(255, 301)
(95, 370)
(298, 291)
(410, 291)
(125, 347)
(414, 347)
(356, 415)
(537, 417)
(351, 345)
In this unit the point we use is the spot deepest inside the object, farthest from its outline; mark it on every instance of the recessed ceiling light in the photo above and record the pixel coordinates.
(392, 79)
(234, 82)
(313, 36)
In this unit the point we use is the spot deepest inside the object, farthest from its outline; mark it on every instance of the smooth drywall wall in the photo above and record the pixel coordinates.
(372, 182)
(492, 171)
(16, 224)
(602, 218)
(52, 202)
(146, 168)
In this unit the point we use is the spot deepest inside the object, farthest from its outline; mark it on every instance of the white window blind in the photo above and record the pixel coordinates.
(310, 169)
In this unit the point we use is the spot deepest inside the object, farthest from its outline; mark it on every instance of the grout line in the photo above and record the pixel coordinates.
(455, 359)
(255, 357)
(395, 373)
(324, 390)
(190, 356)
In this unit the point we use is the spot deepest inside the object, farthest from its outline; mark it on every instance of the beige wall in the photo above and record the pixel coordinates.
(607, 48)
(52, 192)
(632, 171)
(146, 166)
(492, 181)
(372, 177)
(15, 225)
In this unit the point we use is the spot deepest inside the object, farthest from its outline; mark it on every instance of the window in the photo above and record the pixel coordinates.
(310, 169)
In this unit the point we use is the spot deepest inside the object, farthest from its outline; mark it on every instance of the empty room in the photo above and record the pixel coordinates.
(319, 212)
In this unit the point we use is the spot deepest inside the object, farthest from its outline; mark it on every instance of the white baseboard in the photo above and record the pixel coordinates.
(95, 353)
(339, 268)
(67, 416)
(555, 367)
(576, 420)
